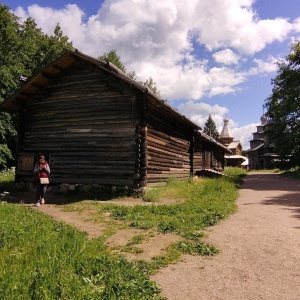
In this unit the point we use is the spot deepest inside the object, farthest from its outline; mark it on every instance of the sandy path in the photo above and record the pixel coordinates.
(260, 249)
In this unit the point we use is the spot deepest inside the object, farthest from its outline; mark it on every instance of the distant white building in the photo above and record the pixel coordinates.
(227, 139)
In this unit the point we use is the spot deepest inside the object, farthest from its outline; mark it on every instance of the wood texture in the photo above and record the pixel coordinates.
(86, 126)
(97, 128)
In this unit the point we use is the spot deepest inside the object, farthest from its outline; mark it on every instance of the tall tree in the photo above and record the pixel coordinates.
(114, 58)
(211, 129)
(283, 105)
(24, 49)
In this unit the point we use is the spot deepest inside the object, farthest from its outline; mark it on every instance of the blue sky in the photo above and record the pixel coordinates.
(207, 56)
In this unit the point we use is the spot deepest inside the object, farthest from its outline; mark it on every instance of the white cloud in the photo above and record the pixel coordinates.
(198, 112)
(233, 23)
(264, 67)
(70, 19)
(227, 57)
(244, 134)
(224, 80)
(161, 39)
(157, 39)
(296, 25)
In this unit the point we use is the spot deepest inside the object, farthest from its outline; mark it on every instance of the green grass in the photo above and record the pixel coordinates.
(7, 181)
(207, 202)
(236, 174)
(294, 173)
(44, 259)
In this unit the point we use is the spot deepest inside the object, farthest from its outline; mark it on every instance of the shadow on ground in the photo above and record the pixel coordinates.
(28, 197)
(270, 181)
(288, 190)
(291, 201)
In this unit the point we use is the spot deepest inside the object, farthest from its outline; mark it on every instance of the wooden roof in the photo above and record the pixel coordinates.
(211, 140)
(45, 76)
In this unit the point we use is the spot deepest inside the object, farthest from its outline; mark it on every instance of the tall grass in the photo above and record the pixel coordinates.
(207, 202)
(236, 174)
(44, 259)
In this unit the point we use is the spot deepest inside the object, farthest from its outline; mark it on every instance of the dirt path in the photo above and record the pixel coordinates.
(84, 216)
(260, 244)
(260, 249)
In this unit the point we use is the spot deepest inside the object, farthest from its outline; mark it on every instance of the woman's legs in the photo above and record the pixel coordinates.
(40, 191)
(43, 192)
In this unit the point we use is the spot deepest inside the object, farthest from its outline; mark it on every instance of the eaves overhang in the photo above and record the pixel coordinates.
(46, 75)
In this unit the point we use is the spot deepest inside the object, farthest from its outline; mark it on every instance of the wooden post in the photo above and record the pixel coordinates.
(192, 151)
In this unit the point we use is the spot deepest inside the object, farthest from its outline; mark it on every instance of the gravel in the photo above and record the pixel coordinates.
(259, 248)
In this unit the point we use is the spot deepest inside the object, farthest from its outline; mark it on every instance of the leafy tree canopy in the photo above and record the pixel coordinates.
(283, 105)
(24, 49)
(211, 129)
(114, 58)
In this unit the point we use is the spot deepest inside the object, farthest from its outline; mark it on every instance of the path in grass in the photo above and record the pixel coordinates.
(84, 217)
(260, 248)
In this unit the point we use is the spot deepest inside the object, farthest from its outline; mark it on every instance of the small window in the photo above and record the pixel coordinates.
(26, 161)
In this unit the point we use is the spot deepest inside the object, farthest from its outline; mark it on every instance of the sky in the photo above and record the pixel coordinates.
(206, 56)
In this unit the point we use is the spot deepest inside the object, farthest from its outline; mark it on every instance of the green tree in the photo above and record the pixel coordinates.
(211, 129)
(114, 58)
(24, 49)
(150, 84)
(283, 105)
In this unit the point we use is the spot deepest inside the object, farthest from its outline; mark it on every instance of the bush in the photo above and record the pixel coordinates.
(7, 178)
(6, 157)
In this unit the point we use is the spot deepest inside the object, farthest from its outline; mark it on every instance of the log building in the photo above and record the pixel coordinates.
(98, 126)
(262, 153)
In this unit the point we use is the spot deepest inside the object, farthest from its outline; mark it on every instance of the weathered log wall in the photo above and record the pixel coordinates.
(207, 155)
(217, 158)
(168, 146)
(198, 157)
(85, 125)
(96, 125)
(96, 128)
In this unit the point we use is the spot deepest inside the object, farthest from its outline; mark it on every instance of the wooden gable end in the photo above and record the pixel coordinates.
(85, 124)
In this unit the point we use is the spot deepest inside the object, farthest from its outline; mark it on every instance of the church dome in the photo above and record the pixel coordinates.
(263, 119)
(226, 132)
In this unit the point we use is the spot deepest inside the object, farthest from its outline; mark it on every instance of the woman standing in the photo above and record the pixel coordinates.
(41, 172)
